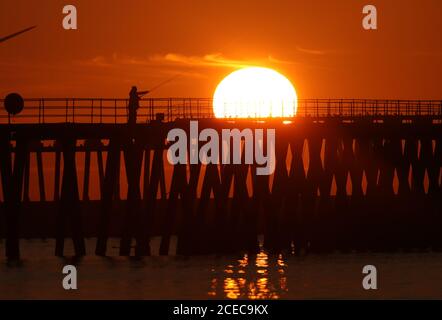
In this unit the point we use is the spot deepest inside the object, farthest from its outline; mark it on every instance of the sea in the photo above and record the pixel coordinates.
(39, 275)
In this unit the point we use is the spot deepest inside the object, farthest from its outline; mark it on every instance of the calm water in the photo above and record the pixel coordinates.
(285, 276)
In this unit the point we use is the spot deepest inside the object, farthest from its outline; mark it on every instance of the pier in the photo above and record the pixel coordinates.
(350, 174)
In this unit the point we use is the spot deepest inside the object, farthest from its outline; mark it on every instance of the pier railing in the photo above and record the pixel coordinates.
(99, 110)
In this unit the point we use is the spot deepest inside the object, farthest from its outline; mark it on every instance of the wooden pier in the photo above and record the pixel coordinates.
(345, 179)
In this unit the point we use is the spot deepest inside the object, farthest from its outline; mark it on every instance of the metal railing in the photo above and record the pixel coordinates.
(98, 110)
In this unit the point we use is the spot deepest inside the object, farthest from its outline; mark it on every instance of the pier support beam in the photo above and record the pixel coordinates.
(12, 183)
(133, 158)
(111, 178)
(69, 203)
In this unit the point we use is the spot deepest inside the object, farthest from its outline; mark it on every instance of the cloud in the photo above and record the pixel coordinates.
(113, 61)
(210, 60)
(311, 51)
(274, 60)
(98, 61)
(137, 65)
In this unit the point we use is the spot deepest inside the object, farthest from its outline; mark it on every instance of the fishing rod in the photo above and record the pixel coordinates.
(164, 83)
(16, 34)
(143, 93)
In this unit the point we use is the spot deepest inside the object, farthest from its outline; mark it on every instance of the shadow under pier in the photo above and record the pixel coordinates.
(361, 183)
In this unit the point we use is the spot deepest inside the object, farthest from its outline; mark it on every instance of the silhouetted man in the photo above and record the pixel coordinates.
(134, 104)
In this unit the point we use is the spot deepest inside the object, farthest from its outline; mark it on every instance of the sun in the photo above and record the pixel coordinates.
(255, 92)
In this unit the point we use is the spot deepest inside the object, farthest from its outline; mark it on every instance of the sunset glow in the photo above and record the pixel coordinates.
(255, 92)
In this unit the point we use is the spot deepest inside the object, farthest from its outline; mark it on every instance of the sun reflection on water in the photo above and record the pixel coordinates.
(251, 277)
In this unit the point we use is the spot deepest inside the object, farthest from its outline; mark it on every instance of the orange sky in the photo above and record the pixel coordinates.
(319, 45)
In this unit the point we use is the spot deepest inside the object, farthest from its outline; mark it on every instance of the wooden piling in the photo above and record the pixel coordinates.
(133, 157)
(69, 211)
(57, 169)
(111, 178)
(87, 172)
(41, 180)
(13, 183)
